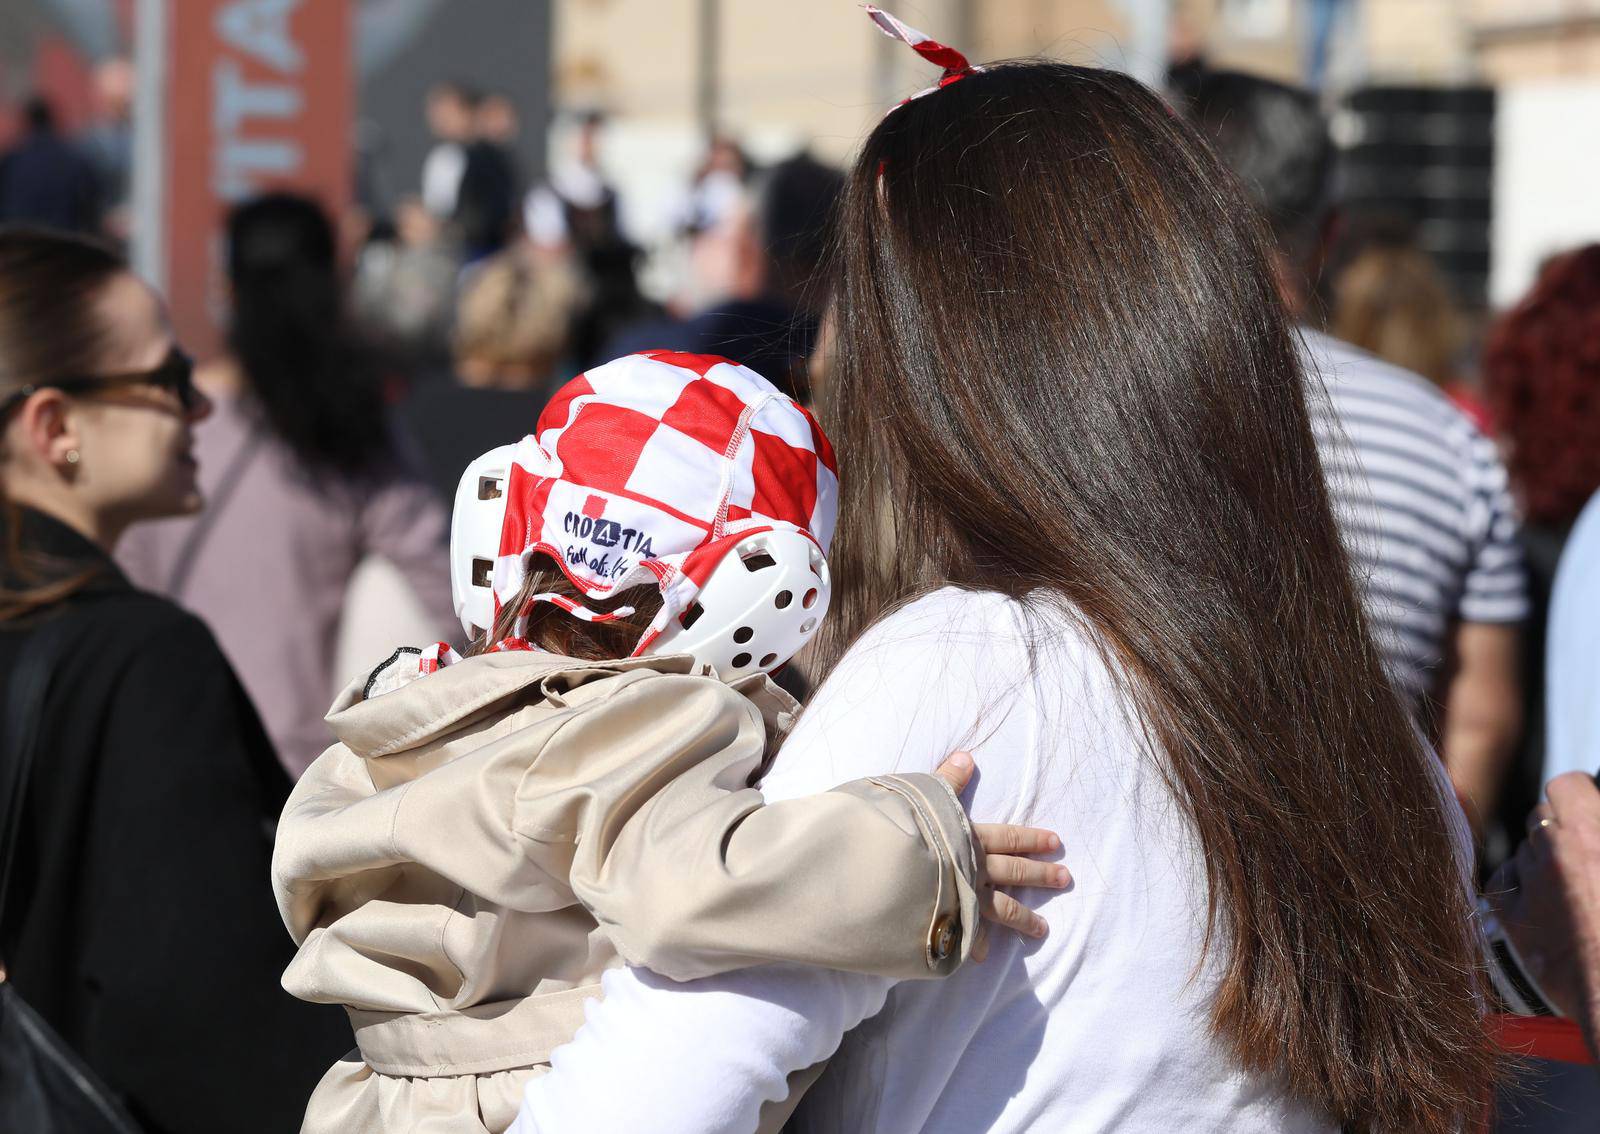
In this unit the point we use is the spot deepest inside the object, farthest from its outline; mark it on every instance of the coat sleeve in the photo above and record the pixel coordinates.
(183, 942)
(690, 873)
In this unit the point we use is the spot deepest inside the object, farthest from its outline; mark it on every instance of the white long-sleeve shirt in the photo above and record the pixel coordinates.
(1098, 1027)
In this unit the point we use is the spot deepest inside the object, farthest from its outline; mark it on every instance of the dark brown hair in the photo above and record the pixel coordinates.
(315, 382)
(551, 628)
(50, 330)
(1058, 308)
(1541, 370)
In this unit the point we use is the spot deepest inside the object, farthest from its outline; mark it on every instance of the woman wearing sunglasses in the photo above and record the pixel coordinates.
(135, 905)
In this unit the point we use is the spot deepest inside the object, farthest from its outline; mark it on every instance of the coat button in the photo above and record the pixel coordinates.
(945, 939)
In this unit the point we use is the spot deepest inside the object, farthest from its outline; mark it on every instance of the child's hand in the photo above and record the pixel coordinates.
(1006, 861)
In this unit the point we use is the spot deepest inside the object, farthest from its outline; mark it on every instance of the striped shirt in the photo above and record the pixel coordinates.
(1423, 501)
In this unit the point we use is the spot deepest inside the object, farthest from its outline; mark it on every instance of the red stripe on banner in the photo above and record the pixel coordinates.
(1541, 1037)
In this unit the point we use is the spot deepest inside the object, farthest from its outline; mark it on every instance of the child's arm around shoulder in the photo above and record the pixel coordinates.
(691, 873)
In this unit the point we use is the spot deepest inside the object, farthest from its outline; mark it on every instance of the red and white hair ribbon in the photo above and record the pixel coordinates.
(441, 654)
(436, 656)
(954, 63)
(576, 609)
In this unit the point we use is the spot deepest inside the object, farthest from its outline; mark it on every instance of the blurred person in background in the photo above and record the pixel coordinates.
(1390, 300)
(405, 285)
(1572, 693)
(1546, 902)
(1548, 897)
(753, 269)
(487, 201)
(302, 475)
(497, 120)
(108, 144)
(468, 181)
(1419, 491)
(578, 212)
(449, 110)
(45, 179)
(140, 921)
(578, 205)
(511, 330)
(717, 186)
(1541, 371)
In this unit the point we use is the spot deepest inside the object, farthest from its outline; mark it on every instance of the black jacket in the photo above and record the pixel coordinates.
(486, 201)
(141, 922)
(45, 180)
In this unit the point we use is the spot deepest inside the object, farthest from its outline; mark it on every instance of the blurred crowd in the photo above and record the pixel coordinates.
(368, 363)
(370, 358)
(80, 182)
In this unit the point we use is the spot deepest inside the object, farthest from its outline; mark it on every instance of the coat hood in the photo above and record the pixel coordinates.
(394, 709)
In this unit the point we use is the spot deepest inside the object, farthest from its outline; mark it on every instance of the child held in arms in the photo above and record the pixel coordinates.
(491, 833)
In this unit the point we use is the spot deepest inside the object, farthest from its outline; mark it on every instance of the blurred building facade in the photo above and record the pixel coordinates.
(1536, 39)
(779, 78)
(785, 77)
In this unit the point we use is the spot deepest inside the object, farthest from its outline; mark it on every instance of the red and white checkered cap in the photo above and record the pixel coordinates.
(649, 469)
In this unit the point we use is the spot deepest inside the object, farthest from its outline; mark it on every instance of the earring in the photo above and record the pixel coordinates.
(73, 456)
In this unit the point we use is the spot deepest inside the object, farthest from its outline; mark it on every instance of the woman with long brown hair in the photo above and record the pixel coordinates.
(1083, 527)
(137, 916)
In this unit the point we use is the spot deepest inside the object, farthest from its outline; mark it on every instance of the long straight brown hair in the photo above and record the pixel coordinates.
(1064, 370)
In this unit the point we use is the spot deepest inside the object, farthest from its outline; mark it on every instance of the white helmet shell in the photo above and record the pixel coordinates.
(480, 512)
(759, 606)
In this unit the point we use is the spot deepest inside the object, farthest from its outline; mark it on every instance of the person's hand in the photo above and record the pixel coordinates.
(1006, 861)
(1548, 897)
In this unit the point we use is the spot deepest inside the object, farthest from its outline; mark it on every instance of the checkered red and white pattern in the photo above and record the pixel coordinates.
(954, 63)
(649, 468)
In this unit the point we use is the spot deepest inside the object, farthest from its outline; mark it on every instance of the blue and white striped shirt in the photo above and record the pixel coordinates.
(1423, 501)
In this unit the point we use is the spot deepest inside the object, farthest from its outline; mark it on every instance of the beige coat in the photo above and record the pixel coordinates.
(483, 843)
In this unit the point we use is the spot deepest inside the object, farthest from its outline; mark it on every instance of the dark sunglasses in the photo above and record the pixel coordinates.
(175, 375)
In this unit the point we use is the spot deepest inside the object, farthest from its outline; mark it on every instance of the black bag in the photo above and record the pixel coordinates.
(44, 1087)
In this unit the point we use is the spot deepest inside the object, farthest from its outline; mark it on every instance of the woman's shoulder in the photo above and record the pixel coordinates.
(132, 629)
(980, 653)
(158, 617)
(981, 623)
(943, 614)
(122, 659)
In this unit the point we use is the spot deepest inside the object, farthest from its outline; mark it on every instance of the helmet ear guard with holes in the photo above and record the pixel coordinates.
(479, 514)
(758, 607)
